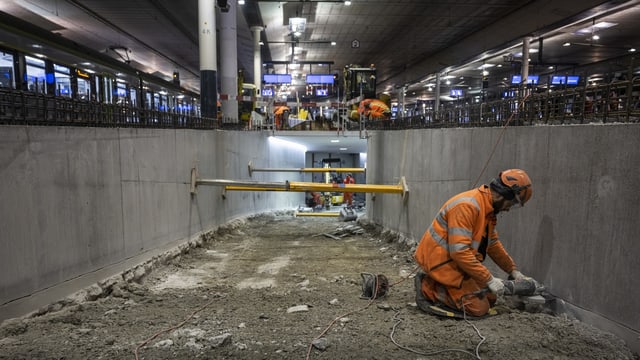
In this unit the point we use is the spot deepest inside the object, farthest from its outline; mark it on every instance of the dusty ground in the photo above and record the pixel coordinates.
(233, 298)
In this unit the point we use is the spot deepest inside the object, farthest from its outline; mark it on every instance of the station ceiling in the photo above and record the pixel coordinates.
(408, 41)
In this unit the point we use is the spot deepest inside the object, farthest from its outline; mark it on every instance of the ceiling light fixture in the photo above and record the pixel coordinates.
(240, 2)
(297, 25)
(594, 27)
(347, 2)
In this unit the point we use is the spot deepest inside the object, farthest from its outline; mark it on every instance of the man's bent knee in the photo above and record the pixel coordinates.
(475, 306)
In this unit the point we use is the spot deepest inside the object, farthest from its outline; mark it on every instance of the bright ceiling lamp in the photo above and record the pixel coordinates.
(297, 25)
(287, 144)
(598, 26)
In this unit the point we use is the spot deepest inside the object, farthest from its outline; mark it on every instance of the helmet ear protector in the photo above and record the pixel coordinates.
(508, 192)
(502, 189)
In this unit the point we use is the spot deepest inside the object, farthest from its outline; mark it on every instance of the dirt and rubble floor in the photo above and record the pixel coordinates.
(283, 287)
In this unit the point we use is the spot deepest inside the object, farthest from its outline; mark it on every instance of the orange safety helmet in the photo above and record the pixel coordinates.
(513, 183)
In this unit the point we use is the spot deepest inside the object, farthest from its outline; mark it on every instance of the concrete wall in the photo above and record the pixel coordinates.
(77, 202)
(578, 234)
(81, 204)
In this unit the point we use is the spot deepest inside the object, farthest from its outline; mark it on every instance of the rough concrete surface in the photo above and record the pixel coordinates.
(277, 286)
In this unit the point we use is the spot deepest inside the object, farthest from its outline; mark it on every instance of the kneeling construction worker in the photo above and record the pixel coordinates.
(460, 237)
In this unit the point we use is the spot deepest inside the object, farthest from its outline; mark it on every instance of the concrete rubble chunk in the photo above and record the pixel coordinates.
(163, 343)
(321, 344)
(298, 308)
(344, 231)
(220, 340)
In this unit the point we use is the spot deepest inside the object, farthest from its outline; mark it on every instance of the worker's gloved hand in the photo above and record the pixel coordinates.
(496, 286)
(517, 275)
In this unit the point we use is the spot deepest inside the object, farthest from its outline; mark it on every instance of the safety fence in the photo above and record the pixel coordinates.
(614, 102)
(605, 103)
(28, 108)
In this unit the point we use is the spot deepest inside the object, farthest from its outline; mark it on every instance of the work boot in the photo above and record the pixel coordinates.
(421, 301)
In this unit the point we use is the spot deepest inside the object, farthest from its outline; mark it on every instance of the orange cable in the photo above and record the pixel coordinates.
(504, 128)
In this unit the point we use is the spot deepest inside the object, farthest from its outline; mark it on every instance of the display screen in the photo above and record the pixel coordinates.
(276, 78)
(558, 80)
(320, 79)
(456, 92)
(322, 92)
(267, 92)
(517, 79)
(573, 79)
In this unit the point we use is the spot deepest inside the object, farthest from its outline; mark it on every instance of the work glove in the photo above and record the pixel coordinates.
(496, 286)
(517, 275)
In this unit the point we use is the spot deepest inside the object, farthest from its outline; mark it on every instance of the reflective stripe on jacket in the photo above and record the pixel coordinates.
(451, 249)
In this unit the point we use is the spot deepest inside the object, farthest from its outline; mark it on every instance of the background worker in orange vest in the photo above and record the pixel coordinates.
(460, 237)
(348, 196)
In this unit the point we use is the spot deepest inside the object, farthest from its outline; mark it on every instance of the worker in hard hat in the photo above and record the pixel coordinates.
(348, 196)
(463, 233)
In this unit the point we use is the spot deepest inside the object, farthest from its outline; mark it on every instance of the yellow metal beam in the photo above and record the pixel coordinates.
(233, 185)
(297, 186)
(326, 214)
(401, 188)
(366, 188)
(252, 188)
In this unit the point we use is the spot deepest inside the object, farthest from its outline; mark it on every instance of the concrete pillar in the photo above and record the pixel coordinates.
(229, 64)
(208, 58)
(436, 106)
(525, 59)
(257, 59)
(401, 102)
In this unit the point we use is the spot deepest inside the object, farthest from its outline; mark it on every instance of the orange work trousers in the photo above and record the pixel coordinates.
(457, 298)
(348, 198)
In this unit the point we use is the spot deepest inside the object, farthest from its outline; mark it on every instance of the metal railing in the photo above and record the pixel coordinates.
(605, 103)
(28, 108)
(614, 102)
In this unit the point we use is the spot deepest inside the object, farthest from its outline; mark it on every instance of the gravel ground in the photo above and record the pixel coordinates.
(277, 286)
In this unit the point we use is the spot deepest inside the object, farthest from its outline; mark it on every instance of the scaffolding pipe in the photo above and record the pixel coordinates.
(310, 186)
(306, 170)
(296, 186)
(400, 188)
(326, 214)
(365, 188)
(252, 188)
(248, 184)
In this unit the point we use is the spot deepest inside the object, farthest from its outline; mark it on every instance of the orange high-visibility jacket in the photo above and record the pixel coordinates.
(452, 250)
